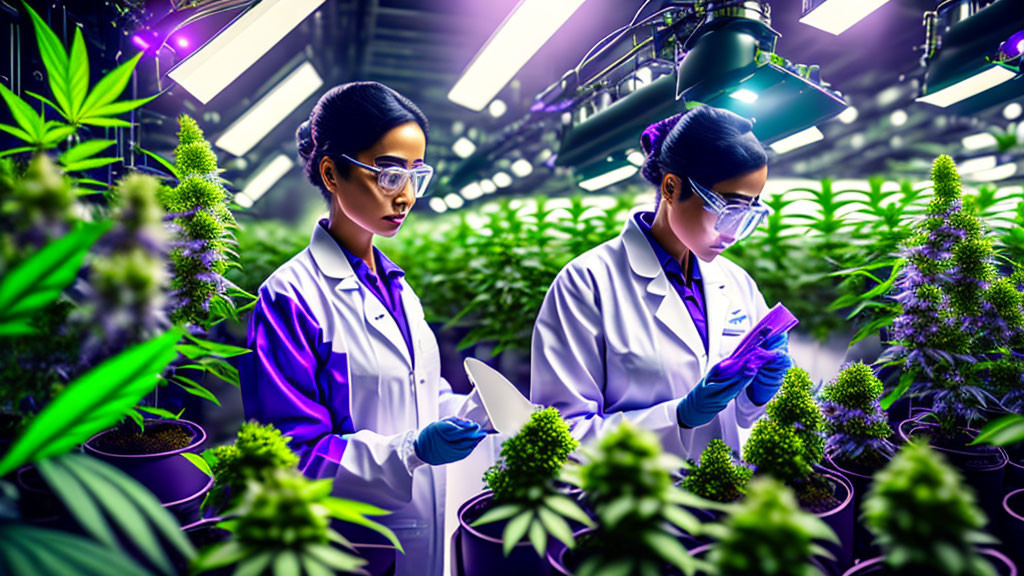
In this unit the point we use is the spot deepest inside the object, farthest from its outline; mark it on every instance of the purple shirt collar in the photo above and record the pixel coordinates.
(668, 262)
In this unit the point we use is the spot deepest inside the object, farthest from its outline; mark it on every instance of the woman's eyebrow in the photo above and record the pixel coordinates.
(390, 159)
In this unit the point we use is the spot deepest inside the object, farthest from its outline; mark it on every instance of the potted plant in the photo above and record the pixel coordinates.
(788, 445)
(960, 318)
(198, 210)
(282, 526)
(717, 477)
(926, 521)
(767, 534)
(858, 433)
(642, 525)
(506, 530)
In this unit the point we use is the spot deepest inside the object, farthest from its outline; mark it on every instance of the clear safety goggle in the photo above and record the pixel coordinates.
(735, 220)
(393, 179)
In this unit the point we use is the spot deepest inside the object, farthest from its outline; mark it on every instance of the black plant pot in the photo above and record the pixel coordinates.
(841, 520)
(38, 504)
(1013, 478)
(863, 546)
(480, 549)
(982, 466)
(876, 566)
(1012, 526)
(176, 482)
(562, 562)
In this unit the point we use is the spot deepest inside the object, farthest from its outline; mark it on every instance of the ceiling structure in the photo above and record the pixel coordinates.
(421, 47)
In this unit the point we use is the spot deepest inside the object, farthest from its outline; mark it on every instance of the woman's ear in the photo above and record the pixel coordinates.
(328, 173)
(670, 185)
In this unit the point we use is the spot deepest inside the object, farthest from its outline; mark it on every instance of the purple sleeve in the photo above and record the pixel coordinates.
(281, 382)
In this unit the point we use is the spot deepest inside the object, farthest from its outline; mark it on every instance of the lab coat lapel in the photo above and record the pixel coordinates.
(716, 302)
(378, 318)
(670, 310)
(332, 262)
(413, 314)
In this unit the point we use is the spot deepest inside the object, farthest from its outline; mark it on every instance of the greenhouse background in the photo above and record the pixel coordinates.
(150, 185)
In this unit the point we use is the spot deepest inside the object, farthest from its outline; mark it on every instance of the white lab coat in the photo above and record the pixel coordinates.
(388, 397)
(614, 341)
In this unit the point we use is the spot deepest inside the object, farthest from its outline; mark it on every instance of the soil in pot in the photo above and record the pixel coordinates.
(158, 437)
(565, 562)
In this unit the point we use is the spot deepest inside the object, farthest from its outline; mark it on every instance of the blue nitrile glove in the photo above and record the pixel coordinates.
(769, 378)
(723, 382)
(778, 342)
(448, 440)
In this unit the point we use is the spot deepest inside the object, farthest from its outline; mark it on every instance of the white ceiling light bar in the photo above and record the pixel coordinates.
(978, 141)
(264, 180)
(798, 140)
(964, 89)
(608, 178)
(837, 16)
(530, 25)
(212, 68)
(271, 110)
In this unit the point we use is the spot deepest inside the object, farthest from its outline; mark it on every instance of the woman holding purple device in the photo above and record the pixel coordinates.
(641, 328)
(343, 361)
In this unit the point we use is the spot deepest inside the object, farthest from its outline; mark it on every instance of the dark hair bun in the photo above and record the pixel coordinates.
(304, 140)
(651, 142)
(707, 144)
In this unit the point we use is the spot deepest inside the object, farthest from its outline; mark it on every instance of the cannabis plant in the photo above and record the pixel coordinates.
(857, 427)
(789, 443)
(717, 477)
(126, 285)
(282, 527)
(924, 517)
(258, 451)
(628, 480)
(960, 318)
(523, 483)
(198, 208)
(768, 535)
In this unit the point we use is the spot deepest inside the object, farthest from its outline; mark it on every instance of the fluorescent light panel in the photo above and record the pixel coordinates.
(608, 178)
(978, 141)
(1001, 172)
(964, 89)
(744, 95)
(223, 59)
(520, 36)
(836, 16)
(271, 110)
(266, 178)
(798, 140)
(979, 164)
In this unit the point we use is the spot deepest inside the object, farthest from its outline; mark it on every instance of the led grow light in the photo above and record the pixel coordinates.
(798, 140)
(264, 180)
(605, 180)
(976, 84)
(837, 16)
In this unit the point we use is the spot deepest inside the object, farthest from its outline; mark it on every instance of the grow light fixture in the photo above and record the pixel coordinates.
(972, 56)
(611, 176)
(978, 141)
(243, 134)
(463, 147)
(1001, 172)
(528, 27)
(976, 84)
(979, 164)
(264, 180)
(731, 56)
(798, 140)
(438, 205)
(214, 66)
(837, 16)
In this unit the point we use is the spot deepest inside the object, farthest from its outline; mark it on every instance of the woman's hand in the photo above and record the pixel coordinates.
(448, 440)
(723, 383)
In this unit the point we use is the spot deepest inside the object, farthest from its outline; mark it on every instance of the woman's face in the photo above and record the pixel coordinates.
(360, 198)
(693, 225)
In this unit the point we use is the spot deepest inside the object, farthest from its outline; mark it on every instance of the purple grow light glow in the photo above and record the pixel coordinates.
(1014, 45)
(182, 42)
(139, 42)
